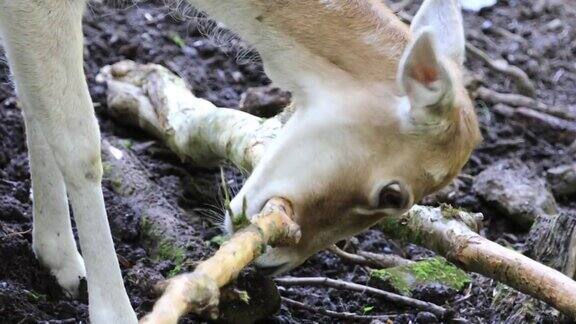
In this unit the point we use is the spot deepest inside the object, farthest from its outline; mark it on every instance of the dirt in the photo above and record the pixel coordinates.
(544, 46)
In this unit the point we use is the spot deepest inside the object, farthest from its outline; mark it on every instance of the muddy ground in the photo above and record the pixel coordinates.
(542, 41)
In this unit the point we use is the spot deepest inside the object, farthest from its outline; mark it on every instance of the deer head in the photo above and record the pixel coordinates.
(383, 117)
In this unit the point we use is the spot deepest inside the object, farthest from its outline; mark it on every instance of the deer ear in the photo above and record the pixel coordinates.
(424, 78)
(444, 18)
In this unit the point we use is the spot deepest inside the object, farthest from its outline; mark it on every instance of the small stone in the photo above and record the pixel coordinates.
(426, 318)
(515, 191)
(434, 293)
(264, 101)
(563, 179)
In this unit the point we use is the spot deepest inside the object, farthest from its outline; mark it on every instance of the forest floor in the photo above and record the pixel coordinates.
(541, 41)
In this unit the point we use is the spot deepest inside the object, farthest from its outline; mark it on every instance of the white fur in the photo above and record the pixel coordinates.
(43, 43)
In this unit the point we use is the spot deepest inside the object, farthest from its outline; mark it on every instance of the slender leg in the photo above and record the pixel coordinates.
(52, 238)
(43, 41)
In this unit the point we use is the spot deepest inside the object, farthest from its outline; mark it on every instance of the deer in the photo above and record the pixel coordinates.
(383, 119)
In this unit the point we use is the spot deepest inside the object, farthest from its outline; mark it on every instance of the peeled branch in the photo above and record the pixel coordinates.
(153, 98)
(156, 100)
(443, 231)
(198, 291)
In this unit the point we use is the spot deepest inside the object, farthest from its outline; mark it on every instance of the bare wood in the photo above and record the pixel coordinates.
(375, 260)
(443, 231)
(151, 97)
(199, 291)
(439, 311)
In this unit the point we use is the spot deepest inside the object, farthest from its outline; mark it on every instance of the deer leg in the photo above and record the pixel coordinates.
(43, 42)
(52, 237)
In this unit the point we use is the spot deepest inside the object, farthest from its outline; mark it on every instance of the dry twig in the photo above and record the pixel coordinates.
(521, 79)
(517, 100)
(343, 315)
(374, 260)
(439, 311)
(443, 230)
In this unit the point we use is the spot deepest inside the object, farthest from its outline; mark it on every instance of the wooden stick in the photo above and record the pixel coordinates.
(343, 315)
(443, 230)
(439, 311)
(198, 291)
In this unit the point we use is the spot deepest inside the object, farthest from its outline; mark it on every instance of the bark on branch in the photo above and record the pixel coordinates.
(153, 98)
(198, 291)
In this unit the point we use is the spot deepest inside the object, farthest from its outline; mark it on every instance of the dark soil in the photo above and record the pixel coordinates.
(151, 33)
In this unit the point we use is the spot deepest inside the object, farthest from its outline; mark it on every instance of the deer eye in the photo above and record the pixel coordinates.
(392, 196)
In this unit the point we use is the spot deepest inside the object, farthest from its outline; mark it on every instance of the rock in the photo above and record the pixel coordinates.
(264, 101)
(252, 298)
(434, 293)
(515, 191)
(563, 179)
(426, 318)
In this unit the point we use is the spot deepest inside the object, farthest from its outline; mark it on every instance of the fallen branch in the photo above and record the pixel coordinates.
(154, 99)
(165, 228)
(343, 315)
(443, 230)
(143, 96)
(198, 291)
(439, 311)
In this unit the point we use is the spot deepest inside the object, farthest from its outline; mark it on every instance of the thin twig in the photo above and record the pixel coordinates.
(342, 315)
(517, 100)
(439, 311)
(523, 83)
(12, 234)
(374, 260)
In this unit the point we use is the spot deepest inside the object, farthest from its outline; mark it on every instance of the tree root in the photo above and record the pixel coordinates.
(198, 291)
(151, 96)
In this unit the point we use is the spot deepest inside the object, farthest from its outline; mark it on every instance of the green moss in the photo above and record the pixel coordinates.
(398, 228)
(439, 270)
(35, 296)
(168, 251)
(435, 270)
(106, 168)
(126, 143)
(397, 279)
(165, 250)
(218, 240)
(176, 39)
(449, 212)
